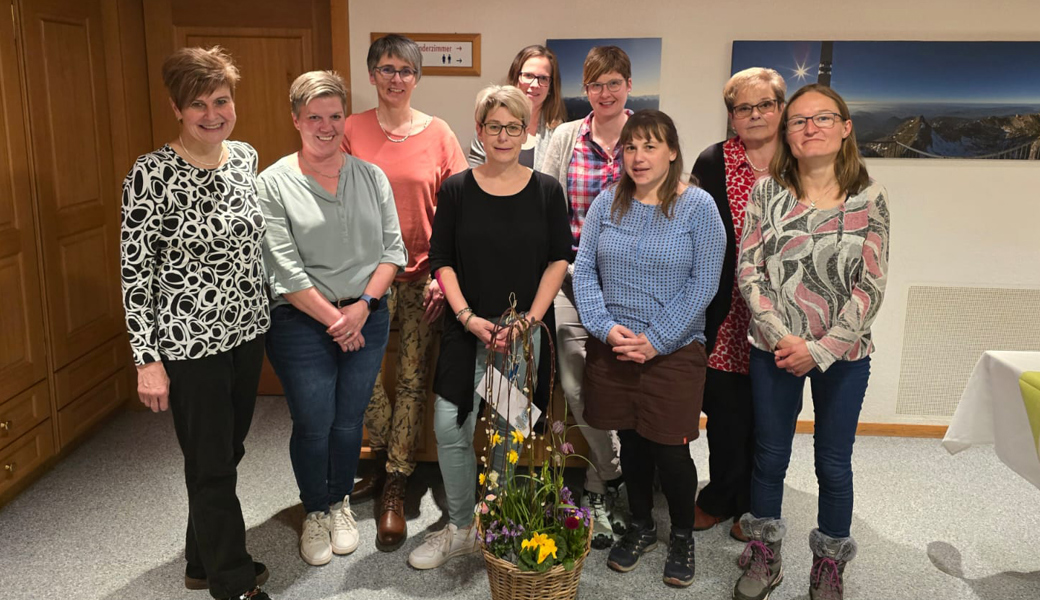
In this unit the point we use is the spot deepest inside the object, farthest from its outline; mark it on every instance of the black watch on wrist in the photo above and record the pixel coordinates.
(372, 302)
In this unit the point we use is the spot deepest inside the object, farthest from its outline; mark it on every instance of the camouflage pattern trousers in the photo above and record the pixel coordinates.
(396, 428)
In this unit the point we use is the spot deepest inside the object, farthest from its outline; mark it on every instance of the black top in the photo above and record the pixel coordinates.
(710, 171)
(497, 245)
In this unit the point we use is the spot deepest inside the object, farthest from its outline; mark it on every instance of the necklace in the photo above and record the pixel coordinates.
(812, 203)
(411, 118)
(311, 167)
(747, 157)
(202, 162)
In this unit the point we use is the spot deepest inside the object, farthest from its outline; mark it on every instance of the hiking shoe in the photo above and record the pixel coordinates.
(343, 532)
(602, 530)
(253, 594)
(440, 546)
(637, 541)
(680, 567)
(763, 570)
(830, 555)
(316, 540)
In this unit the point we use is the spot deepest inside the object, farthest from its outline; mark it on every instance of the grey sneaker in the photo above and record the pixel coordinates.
(761, 561)
(602, 531)
(617, 500)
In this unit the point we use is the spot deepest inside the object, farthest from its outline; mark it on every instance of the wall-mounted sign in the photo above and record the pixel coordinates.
(446, 53)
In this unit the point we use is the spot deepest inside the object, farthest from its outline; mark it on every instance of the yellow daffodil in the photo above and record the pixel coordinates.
(482, 478)
(546, 549)
(518, 438)
(512, 457)
(496, 440)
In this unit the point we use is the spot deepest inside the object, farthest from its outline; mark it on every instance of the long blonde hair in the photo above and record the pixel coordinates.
(849, 167)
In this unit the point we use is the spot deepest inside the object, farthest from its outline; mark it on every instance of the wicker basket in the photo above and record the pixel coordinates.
(508, 582)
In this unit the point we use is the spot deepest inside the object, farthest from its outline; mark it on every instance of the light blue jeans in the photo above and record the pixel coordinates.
(455, 453)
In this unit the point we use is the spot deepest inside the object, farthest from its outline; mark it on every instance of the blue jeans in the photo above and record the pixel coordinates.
(777, 398)
(328, 391)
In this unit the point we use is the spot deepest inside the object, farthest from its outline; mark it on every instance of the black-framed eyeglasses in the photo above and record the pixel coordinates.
(825, 120)
(529, 78)
(743, 111)
(387, 72)
(614, 85)
(512, 130)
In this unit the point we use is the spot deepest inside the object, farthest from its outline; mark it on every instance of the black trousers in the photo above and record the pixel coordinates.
(212, 401)
(640, 458)
(731, 444)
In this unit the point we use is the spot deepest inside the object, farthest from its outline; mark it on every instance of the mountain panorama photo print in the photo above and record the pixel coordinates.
(921, 99)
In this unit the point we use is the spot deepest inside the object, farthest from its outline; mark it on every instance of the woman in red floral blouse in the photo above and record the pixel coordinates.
(728, 170)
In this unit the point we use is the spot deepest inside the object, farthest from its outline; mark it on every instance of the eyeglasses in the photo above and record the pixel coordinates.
(596, 87)
(512, 130)
(743, 111)
(822, 120)
(388, 72)
(529, 78)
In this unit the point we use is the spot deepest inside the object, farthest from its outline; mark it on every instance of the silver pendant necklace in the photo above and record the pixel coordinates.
(411, 119)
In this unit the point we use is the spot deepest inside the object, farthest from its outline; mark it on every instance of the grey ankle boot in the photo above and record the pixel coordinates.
(761, 561)
(830, 555)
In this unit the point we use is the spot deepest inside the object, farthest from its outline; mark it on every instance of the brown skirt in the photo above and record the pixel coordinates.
(661, 399)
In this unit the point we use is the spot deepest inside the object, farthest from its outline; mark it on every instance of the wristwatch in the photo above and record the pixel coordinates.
(372, 302)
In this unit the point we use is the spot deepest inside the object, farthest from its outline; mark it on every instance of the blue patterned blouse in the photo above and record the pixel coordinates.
(647, 272)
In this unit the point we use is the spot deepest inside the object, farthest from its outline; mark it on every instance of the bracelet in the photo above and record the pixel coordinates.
(466, 324)
(459, 314)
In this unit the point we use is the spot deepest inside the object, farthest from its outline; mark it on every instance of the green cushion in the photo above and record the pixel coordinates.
(1030, 384)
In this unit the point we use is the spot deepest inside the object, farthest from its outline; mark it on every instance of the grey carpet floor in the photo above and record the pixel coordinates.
(108, 523)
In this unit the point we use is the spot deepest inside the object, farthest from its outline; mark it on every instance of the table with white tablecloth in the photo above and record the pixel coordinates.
(1001, 406)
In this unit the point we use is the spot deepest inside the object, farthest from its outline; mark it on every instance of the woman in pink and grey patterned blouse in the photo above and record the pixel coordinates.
(813, 266)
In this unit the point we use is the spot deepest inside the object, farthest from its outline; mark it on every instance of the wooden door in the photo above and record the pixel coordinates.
(22, 357)
(67, 91)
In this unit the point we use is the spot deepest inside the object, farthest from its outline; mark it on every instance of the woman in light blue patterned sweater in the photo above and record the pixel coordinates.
(648, 264)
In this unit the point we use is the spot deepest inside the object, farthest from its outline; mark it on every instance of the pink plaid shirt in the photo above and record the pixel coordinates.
(591, 170)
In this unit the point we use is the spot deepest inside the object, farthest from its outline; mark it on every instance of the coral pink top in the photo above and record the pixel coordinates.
(416, 168)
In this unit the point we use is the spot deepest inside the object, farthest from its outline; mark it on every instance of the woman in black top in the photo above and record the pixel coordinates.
(196, 310)
(501, 229)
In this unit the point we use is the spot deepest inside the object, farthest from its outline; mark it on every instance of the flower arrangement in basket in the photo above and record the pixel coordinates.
(533, 536)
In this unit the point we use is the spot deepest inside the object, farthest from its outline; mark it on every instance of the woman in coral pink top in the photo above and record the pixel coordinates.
(417, 152)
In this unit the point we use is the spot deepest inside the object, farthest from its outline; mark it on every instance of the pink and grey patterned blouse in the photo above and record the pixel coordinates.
(816, 274)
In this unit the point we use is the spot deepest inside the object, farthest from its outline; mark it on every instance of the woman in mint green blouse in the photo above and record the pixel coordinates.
(333, 247)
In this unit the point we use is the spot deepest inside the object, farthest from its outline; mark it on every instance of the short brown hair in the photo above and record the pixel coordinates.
(606, 59)
(849, 167)
(395, 46)
(553, 110)
(647, 125)
(190, 73)
(316, 84)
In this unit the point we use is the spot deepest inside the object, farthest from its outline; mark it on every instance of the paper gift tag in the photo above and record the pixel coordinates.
(511, 402)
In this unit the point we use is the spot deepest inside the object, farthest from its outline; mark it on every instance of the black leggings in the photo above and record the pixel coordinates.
(640, 458)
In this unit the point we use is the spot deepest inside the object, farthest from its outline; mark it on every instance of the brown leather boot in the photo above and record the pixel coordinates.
(372, 482)
(703, 520)
(392, 528)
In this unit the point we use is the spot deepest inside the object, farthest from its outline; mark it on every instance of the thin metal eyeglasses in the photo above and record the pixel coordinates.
(614, 85)
(825, 120)
(529, 78)
(388, 72)
(743, 111)
(512, 130)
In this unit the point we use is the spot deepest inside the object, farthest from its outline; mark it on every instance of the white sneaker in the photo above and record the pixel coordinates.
(344, 528)
(315, 542)
(443, 545)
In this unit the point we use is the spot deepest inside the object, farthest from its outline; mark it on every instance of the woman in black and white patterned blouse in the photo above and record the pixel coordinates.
(196, 309)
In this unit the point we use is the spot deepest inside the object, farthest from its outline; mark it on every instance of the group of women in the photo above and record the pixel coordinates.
(722, 291)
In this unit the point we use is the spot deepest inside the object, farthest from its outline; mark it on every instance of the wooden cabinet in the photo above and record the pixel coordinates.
(70, 123)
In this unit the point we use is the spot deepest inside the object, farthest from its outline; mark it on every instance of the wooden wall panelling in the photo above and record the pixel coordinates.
(23, 359)
(72, 158)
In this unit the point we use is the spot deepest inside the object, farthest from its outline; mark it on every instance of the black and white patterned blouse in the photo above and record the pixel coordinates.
(191, 266)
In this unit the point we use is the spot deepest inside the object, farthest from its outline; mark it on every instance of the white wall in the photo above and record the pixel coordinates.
(956, 223)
